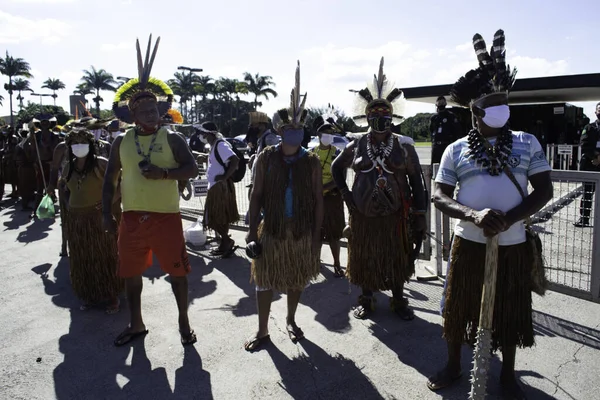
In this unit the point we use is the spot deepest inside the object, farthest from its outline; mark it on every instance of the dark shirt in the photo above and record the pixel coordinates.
(444, 128)
(590, 146)
(196, 144)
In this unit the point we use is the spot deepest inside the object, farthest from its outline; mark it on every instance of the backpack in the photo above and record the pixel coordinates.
(239, 173)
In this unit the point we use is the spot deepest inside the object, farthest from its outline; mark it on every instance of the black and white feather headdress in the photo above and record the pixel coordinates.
(379, 91)
(492, 76)
(295, 115)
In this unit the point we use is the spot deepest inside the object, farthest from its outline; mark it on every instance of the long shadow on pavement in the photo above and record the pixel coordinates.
(319, 375)
(551, 326)
(38, 230)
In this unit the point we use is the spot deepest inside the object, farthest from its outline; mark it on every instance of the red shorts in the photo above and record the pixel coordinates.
(144, 233)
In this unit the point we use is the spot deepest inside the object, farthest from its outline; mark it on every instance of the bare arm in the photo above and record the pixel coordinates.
(443, 198)
(234, 161)
(341, 164)
(110, 177)
(317, 179)
(59, 154)
(541, 194)
(415, 178)
(256, 198)
(188, 168)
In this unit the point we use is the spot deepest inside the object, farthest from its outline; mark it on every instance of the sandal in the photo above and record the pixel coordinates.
(295, 333)
(365, 307)
(230, 251)
(188, 338)
(255, 343)
(442, 380)
(338, 272)
(400, 307)
(113, 308)
(127, 336)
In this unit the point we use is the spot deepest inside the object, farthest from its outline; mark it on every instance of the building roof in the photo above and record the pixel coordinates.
(552, 89)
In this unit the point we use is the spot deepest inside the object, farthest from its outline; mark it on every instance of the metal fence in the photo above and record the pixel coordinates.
(564, 156)
(572, 253)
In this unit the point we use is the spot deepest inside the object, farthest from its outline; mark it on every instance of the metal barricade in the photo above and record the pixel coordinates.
(563, 156)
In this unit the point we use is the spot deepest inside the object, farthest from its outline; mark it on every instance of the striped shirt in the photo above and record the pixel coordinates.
(478, 190)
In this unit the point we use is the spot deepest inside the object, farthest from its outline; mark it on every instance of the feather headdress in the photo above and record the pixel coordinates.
(492, 76)
(294, 116)
(379, 93)
(328, 120)
(142, 87)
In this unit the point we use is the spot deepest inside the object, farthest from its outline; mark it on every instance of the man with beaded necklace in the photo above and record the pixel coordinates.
(487, 166)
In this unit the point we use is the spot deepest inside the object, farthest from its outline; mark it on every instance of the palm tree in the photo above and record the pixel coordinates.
(183, 86)
(12, 67)
(98, 80)
(20, 85)
(54, 85)
(259, 86)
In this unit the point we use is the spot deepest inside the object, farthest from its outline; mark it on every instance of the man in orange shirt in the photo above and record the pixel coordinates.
(152, 160)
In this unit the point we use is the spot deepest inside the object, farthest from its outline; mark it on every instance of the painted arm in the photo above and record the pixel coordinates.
(188, 168)
(317, 179)
(340, 165)
(256, 198)
(415, 178)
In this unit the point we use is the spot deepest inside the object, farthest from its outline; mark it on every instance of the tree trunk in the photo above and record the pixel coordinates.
(10, 93)
(98, 102)
(255, 102)
(54, 97)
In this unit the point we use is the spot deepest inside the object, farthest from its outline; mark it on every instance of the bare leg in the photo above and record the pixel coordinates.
(179, 285)
(510, 385)
(136, 327)
(334, 245)
(451, 371)
(400, 304)
(263, 303)
(293, 298)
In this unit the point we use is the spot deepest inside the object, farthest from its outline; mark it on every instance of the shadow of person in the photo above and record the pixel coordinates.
(549, 325)
(191, 381)
(60, 288)
(17, 219)
(38, 230)
(144, 382)
(197, 287)
(319, 375)
(329, 299)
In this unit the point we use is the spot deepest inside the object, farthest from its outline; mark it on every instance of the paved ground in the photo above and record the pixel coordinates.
(52, 350)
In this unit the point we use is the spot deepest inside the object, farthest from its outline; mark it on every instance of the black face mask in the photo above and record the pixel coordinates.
(380, 124)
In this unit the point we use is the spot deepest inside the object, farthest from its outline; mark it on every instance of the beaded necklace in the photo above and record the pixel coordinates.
(146, 157)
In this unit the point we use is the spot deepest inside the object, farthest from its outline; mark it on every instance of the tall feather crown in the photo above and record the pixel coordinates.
(142, 87)
(492, 76)
(295, 115)
(380, 92)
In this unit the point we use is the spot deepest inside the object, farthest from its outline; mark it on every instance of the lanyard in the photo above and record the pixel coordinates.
(146, 157)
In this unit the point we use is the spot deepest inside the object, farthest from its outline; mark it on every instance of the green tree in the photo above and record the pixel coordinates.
(183, 86)
(259, 86)
(54, 85)
(32, 109)
(12, 67)
(98, 80)
(21, 85)
(106, 114)
(417, 127)
(341, 119)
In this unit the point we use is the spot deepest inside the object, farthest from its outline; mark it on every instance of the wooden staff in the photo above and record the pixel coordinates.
(483, 346)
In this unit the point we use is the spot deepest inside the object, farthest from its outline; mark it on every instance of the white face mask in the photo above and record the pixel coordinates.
(496, 116)
(80, 150)
(326, 139)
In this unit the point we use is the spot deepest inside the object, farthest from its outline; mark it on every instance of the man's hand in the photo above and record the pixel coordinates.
(109, 223)
(151, 171)
(349, 200)
(51, 191)
(491, 221)
(252, 236)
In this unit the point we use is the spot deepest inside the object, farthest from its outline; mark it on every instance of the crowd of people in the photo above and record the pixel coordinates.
(119, 203)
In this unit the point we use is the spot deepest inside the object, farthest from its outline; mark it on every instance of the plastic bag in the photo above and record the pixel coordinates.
(195, 234)
(46, 208)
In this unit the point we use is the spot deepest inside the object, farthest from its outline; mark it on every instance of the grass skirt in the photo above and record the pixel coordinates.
(27, 182)
(334, 219)
(221, 206)
(64, 208)
(512, 323)
(93, 256)
(285, 264)
(378, 252)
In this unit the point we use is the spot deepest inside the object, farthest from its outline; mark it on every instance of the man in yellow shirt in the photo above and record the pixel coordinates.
(152, 160)
(334, 219)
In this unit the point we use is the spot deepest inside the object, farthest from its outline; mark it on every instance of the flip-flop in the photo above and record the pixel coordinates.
(295, 334)
(338, 272)
(441, 380)
(189, 338)
(127, 336)
(255, 343)
(229, 252)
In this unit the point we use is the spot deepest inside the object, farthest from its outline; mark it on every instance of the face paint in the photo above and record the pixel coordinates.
(326, 139)
(80, 150)
(293, 137)
(496, 116)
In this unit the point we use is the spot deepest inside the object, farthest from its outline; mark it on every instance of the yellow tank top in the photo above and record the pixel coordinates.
(85, 190)
(139, 193)
(326, 156)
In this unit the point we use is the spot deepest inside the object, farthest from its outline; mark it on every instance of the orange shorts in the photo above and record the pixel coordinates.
(144, 233)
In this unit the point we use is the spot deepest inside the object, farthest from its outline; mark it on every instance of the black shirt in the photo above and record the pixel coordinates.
(444, 128)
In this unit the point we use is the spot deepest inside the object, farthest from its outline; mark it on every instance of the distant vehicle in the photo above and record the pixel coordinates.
(240, 145)
(338, 141)
(241, 138)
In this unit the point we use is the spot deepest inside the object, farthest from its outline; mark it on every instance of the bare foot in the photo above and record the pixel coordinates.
(444, 378)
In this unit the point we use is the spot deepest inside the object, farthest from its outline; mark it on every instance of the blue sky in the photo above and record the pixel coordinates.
(338, 43)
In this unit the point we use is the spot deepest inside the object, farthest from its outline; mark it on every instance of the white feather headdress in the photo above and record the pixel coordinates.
(295, 115)
(379, 92)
